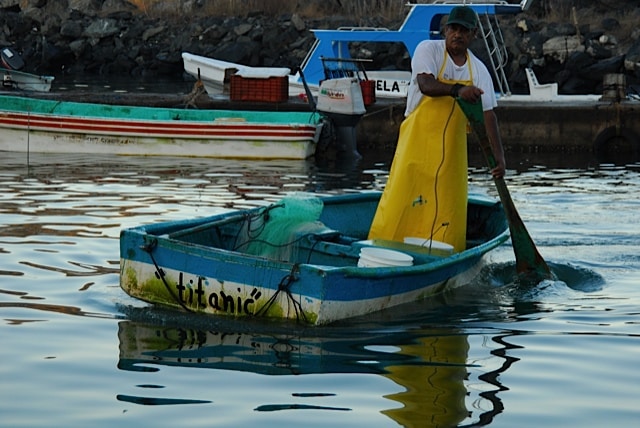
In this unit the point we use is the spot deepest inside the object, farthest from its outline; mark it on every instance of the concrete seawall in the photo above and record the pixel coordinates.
(526, 126)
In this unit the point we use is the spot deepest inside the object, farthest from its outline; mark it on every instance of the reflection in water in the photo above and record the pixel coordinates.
(61, 309)
(435, 391)
(441, 385)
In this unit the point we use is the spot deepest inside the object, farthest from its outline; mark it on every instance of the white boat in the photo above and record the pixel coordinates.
(35, 125)
(13, 79)
(215, 74)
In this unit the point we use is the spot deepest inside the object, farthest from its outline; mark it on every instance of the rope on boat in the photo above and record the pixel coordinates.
(192, 97)
(284, 287)
(148, 248)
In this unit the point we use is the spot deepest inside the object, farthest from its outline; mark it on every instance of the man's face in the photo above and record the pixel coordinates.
(458, 38)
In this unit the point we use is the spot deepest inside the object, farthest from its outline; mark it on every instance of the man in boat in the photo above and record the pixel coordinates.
(426, 194)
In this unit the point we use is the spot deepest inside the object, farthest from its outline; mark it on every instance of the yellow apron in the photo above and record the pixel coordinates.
(426, 193)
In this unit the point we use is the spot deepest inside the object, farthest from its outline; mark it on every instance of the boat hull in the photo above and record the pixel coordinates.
(47, 126)
(158, 267)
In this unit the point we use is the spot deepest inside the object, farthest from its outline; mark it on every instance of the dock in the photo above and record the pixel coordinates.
(569, 125)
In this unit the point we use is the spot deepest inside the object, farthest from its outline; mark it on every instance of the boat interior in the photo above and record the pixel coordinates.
(335, 239)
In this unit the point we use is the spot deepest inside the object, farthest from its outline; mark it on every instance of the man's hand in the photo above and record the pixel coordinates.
(471, 94)
(500, 168)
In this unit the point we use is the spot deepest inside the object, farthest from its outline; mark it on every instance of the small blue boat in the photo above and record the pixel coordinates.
(304, 258)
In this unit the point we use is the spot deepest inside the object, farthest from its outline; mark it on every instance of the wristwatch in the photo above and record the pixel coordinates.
(455, 89)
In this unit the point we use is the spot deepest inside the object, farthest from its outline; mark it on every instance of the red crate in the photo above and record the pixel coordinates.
(274, 89)
(368, 88)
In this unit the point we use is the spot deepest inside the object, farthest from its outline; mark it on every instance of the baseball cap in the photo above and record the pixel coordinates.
(463, 15)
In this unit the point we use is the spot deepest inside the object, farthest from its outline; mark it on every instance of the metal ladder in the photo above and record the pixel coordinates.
(498, 56)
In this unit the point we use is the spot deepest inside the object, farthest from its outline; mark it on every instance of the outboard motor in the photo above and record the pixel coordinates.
(11, 59)
(341, 100)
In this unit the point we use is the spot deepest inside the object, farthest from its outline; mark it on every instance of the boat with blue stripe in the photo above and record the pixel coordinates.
(316, 268)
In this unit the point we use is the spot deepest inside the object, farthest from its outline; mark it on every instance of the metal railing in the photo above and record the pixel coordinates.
(497, 50)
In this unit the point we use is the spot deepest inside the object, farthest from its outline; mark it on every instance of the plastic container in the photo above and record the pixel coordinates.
(368, 92)
(380, 257)
(272, 89)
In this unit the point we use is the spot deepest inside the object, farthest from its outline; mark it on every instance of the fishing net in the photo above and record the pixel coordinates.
(282, 225)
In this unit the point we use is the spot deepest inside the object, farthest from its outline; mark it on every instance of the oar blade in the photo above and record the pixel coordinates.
(528, 259)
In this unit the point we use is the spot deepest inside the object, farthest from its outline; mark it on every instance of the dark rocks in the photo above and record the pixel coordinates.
(113, 38)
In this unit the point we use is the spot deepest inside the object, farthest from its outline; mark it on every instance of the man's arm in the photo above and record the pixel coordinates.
(493, 132)
(432, 87)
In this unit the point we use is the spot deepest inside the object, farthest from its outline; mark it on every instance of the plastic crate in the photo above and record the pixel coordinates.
(273, 89)
(368, 88)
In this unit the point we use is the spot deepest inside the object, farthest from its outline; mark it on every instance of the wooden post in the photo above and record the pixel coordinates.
(614, 87)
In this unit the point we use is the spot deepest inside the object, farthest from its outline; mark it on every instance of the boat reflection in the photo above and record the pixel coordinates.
(442, 384)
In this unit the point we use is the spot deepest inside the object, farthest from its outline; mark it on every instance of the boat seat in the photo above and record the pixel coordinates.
(538, 91)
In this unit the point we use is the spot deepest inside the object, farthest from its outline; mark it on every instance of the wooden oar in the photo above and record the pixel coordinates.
(528, 259)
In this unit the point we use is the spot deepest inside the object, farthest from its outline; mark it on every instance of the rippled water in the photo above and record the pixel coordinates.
(77, 351)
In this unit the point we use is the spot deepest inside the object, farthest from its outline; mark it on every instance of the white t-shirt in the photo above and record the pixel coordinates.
(428, 58)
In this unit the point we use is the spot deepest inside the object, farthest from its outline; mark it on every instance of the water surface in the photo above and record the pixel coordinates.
(77, 351)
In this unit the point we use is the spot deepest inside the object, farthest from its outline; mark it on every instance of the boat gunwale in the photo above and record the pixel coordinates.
(123, 112)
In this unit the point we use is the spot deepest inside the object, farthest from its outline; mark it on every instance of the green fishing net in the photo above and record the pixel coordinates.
(278, 231)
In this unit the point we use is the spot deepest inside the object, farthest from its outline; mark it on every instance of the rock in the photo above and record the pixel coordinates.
(523, 25)
(610, 24)
(71, 29)
(632, 59)
(111, 7)
(578, 61)
(597, 71)
(242, 29)
(532, 44)
(88, 7)
(5, 4)
(598, 50)
(298, 22)
(559, 48)
(78, 47)
(102, 28)
(151, 32)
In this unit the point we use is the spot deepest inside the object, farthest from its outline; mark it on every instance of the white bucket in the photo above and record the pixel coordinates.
(429, 244)
(380, 257)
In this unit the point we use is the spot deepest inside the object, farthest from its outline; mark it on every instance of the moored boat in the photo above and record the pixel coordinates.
(215, 74)
(303, 258)
(30, 124)
(13, 79)
(422, 22)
